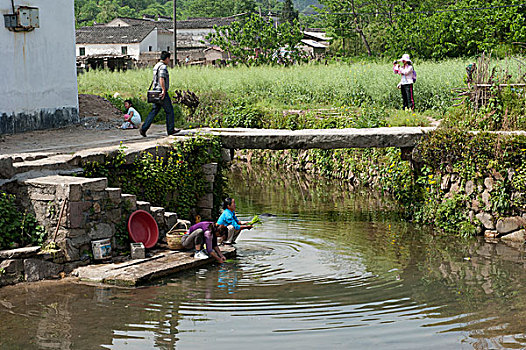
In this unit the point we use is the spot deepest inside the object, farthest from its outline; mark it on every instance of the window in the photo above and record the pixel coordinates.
(150, 48)
(82, 51)
(168, 49)
(124, 50)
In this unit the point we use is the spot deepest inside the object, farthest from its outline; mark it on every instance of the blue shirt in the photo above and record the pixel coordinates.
(228, 218)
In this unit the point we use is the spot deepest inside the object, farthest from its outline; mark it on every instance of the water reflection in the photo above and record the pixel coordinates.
(331, 269)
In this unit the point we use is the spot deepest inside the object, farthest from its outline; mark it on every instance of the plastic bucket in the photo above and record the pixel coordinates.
(101, 249)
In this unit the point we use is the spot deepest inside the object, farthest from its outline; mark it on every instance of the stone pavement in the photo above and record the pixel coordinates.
(136, 272)
(72, 138)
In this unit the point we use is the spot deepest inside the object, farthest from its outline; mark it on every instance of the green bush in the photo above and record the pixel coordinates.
(243, 115)
(175, 182)
(17, 228)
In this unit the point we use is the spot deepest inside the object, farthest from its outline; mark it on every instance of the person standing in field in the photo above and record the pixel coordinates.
(404, 67)
(161, 82)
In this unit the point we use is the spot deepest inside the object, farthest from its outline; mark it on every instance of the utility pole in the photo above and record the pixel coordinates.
(175, 33)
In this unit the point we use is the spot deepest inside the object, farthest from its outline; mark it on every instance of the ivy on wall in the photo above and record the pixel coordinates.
(470, 156)
(175, 181)
(17, 228)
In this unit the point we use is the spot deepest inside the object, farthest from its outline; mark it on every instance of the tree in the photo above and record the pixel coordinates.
(288, 14)
(257, 41)
(245, 6)
(348, 17)
(209, 8)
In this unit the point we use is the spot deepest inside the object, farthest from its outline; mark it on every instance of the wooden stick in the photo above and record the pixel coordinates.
(59, 219)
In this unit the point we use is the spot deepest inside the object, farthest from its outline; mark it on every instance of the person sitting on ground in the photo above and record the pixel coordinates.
(228, 218)
(132, 118)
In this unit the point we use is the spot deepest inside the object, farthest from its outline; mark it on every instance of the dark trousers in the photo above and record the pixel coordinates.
(407, 96)
(165, 104)
(189, 241)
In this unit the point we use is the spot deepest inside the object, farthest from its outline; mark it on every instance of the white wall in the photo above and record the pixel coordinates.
(150, 40)
(109, 49)
(38, 85)
(165, 40)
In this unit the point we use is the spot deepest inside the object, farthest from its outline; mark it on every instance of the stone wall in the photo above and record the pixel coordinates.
(76, 211)
(479, 195)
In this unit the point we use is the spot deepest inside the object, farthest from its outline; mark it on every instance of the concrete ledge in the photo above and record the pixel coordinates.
(277, 139)
(136, 272)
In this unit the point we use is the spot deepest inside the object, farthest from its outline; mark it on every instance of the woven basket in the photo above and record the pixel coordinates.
(173, 237)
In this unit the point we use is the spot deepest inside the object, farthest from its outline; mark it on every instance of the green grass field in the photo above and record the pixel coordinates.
(366, 89)
(304, 86)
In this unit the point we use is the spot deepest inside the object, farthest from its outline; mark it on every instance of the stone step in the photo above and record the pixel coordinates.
(57, 162)
(21, 177)
(170, 219)
(142, 205)
(19, 253)
(158, 215)
(129, 201)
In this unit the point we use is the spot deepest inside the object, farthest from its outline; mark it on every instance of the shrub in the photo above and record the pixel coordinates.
(17, 228)
(243, 115)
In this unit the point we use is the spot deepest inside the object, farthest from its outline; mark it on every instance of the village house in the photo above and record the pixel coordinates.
(126, 42)
(141, 40)
(315, 43)
(39, 84)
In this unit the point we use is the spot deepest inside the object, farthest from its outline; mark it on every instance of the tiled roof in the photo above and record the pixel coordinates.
(191, 23)
(314, 43)
(112, 35)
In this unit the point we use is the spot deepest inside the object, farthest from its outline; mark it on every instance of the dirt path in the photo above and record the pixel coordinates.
(98, 127)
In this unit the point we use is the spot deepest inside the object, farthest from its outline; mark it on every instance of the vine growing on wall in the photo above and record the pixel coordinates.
(174, 181)
(17, 228)
(445, 152)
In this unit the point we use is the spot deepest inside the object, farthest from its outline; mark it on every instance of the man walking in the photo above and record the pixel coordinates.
(161, 82)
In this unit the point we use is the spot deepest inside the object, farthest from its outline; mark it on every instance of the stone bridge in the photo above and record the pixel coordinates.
(277, 139)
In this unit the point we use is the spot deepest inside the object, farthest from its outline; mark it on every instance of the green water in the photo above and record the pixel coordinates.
(329, 269)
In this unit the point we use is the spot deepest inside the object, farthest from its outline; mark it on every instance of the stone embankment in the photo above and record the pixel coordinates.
(480, 198)
(75, 211)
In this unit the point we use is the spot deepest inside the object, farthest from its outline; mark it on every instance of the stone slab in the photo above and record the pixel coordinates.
(142, 205)
(35, 270)
(61, 161)
(136, 272)
(19, 253)
(238, 138)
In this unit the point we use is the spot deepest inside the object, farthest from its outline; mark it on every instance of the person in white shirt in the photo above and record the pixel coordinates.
(404, 67)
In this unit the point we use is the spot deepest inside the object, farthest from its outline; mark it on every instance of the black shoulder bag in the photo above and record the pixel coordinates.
(154, 96)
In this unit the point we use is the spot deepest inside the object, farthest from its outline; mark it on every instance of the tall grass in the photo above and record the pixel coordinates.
(304, 86)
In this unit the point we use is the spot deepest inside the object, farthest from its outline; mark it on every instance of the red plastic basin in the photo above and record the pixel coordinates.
(142, 228)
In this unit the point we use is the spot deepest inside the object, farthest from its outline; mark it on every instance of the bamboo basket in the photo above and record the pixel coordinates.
(173, 237)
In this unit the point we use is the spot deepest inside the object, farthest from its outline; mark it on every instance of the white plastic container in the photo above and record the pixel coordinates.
(101, 249)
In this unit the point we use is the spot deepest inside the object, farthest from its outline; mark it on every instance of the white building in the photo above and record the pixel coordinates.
(38, 88)
(138, 37)
(104, 40)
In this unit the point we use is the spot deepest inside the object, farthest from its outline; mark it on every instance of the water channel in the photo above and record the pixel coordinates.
(328, 268)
